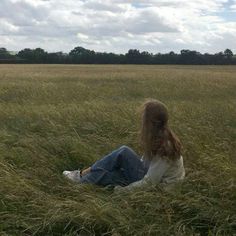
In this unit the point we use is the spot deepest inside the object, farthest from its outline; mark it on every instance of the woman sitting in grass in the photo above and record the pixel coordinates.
(161, 163)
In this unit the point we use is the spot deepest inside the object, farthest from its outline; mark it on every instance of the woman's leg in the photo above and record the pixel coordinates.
(85, 171)
(122, 166)
(119, 158)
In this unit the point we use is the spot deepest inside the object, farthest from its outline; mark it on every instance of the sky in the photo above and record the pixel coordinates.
(118, 25)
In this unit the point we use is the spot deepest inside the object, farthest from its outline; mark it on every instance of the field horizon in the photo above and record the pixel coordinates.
(57, 117)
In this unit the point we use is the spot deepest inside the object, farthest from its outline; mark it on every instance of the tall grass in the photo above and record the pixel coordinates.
(63, 117)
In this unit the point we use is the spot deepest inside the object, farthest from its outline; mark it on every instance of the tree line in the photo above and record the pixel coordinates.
(80, 55)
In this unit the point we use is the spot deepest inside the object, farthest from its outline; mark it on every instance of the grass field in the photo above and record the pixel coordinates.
(56, 117)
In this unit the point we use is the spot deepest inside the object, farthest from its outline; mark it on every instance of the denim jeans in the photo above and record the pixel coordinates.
(120, 167)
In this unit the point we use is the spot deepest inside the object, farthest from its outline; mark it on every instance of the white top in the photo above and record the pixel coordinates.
(161, 170)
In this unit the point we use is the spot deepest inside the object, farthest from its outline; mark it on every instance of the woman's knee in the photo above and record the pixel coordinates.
(127, 150)
(124, 148)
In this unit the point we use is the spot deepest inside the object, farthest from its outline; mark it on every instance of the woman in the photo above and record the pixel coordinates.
(161, 163)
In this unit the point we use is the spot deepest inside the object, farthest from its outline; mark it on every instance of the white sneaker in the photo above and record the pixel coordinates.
(72, 175)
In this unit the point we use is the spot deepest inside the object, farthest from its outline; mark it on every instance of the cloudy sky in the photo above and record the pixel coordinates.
(118, 25)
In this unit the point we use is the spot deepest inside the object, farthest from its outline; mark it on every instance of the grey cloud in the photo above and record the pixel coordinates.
(149, 21)
(102, 6)
(141, 22)
(220, 44)
(21, 13)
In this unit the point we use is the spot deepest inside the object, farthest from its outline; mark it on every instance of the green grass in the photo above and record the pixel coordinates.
(56, 117)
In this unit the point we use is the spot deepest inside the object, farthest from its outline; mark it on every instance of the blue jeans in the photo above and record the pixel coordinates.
(120, 167)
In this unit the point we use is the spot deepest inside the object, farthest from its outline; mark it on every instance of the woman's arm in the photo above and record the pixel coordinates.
(157, 169)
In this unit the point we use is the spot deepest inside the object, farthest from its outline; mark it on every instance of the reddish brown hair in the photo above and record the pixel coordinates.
(155, 135)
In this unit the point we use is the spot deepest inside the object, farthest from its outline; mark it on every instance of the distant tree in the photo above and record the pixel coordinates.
(219, 58)
(133, 56)
(57, 58)
(82, 55)
(228, 53)
(26, 54)
(168, 58)
(37, 55)
(108, 58)
(209, 59)
(190, 57)
(78, 51)
(4, 54)
(146, 57)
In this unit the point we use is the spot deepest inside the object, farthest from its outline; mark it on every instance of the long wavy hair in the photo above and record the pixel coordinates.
(156, 137)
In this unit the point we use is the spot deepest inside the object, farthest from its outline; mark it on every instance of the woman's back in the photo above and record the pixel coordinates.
(164, 170)
(174, 172)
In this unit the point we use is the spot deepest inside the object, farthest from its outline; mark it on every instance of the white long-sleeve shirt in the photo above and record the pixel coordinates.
(161, 170)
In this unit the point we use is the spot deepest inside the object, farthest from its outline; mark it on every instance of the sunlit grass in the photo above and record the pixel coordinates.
(63, 117)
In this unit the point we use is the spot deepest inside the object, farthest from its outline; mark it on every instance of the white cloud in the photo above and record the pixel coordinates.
(116, 25)
(7, 28)
(233, 6)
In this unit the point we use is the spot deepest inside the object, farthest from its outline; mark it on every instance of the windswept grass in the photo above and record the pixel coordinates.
(64, 117)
